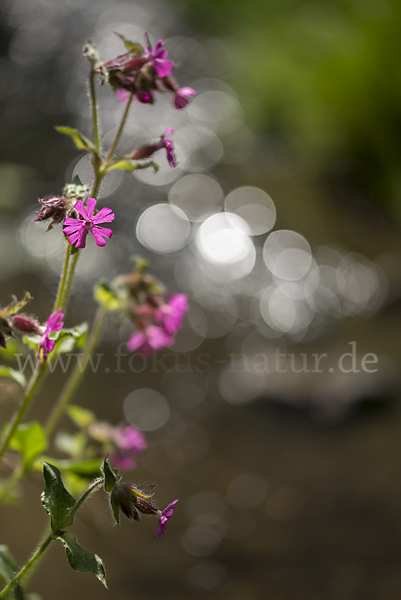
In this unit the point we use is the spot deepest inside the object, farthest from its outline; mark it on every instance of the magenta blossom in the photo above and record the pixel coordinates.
(130, 445)
(162, 67)
(171, 314)
(165, 515)
(77, 229)
(181, 97)
(46, 345)
(168, 145)
(151, 338)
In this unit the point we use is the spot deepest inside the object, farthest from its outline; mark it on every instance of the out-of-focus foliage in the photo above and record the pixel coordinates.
(323, 75)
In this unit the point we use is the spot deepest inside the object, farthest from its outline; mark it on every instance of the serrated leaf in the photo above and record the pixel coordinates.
(13, 374)
(81, 141)
(57, 502)
(82, 560)
(127, 165)
(111, 476)
(81, 416)
(106, 297)
(133, 47)
(8, 569)
(30, 440)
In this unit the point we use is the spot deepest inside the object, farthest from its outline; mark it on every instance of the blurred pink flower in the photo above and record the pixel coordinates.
(170, 315)
(180, 98)
(77, 229)
(162, 67)
(149, 339)
(130, 445)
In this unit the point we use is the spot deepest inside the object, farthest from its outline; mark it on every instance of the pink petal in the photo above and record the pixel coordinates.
(70, 221)
(73, 228)
(136, 340)
(157, 337)
(81, 209)
(79, 237)
(167, 132)
(98, 232)
(90, 203)
(104, 216)
(163, 68)
(186, 91)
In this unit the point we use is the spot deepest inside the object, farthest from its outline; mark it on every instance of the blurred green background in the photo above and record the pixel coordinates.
(288, 480)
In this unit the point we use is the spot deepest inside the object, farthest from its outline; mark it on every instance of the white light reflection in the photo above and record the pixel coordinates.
(254, 206)
(163, 228)
(147, 409)
(224, 238)
(287, 254)
(197, 195)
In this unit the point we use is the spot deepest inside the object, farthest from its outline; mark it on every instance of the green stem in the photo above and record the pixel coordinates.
(95, 116)
(60, 291)
(91, 488)
(37, 554)
(77, 374)
(69, 278)
(17, 417)
(120, 130)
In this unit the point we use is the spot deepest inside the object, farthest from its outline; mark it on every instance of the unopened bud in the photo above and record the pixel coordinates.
(26, 324)
(53, 208)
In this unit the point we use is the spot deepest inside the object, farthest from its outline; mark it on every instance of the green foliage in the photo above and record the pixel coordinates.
(8, 569)
(16, 305)
(30, 440)
(111, 476)
(57, 502)
(69, 338)
(13, 374)
(81, 416)
(82, 560)
(106, 297)
(128, 165)
(81, 141)
(133, 47)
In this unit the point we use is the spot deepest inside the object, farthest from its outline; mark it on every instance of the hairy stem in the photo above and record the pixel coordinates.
(77, 375)
(91, 488)
(120, 129)
(95, 116)
(60, 292)
(36, 555)
(26, 400)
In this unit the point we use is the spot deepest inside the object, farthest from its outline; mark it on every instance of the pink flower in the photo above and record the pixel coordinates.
(130, 445)
(180, 98)
(165, 515)
(171, 314)
(162, 67)
(77, 229)
(151, 338)
(46, 345)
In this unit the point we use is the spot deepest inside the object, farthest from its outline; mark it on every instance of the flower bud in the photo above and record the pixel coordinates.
(26, 324)
(53, 208)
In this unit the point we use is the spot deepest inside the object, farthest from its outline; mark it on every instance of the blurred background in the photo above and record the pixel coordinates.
(282, 224)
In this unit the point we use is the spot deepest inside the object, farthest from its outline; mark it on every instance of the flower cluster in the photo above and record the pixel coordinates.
(141, 73)
(158, 324)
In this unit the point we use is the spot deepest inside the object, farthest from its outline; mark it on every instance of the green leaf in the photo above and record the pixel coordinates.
(106, 297)
(81, 416)
(82, 560)
(111, 476)
(15, 305)
(81, 141)
(13, 374)
(57, 502)
(8, 569)
(30, 440)
(67, 339)
(127, 165)
(133, 47)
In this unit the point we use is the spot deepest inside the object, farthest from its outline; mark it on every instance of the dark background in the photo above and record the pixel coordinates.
(288, 484)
